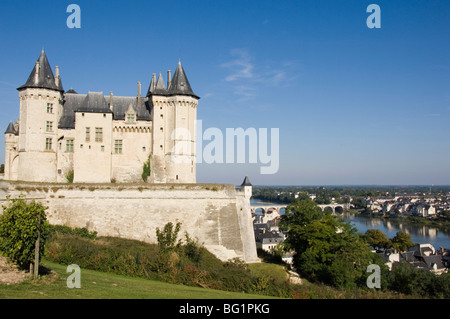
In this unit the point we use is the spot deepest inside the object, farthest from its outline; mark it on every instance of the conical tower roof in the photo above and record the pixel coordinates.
(246, 182)
(42, 76)
(10, 129)
(180, 84)
(160, 87)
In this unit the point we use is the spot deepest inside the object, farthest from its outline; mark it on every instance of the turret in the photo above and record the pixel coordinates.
(40, 111)
(174, 115)
(247, 187)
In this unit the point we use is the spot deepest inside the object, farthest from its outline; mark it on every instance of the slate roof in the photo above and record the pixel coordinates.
(10, 129)
(96, 102)
(179, 85)
(246, 182)
(45, 78)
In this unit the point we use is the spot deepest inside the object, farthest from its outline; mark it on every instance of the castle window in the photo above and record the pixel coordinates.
(69, 146)
(49, 127)
(49, 108)
(130, 118)
(102, 148)
(143, 148)
(48, 143)
(88, 134)
(118, 146)
(99, 134)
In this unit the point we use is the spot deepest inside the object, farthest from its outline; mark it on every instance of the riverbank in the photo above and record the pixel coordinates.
(412, 220)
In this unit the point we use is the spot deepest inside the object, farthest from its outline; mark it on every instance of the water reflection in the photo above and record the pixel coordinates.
(419, 233)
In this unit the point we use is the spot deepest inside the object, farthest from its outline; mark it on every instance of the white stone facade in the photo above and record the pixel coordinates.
(102, 139)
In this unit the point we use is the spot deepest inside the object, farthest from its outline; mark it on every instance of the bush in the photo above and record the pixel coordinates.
(20, 226)
(146, 170)
(81, 232)
(172, 260)
(407, 279)
(69, 176)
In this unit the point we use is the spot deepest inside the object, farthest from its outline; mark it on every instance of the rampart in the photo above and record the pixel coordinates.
(217, 214)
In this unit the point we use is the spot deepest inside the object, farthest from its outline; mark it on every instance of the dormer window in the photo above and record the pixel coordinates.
(131, 118)
(130, 115)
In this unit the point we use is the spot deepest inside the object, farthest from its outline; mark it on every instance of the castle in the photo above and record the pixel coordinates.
(94, 138)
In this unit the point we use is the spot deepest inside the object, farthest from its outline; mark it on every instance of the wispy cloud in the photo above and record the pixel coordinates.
(247, 77)
(240, 66)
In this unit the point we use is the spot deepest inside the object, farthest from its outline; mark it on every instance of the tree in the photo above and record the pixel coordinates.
(21, 225)
(302, 212)
(377, 239)
(402, 241)
(167, 238)
(327, 248)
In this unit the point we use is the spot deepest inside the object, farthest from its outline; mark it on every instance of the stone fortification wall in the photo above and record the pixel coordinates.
(217, 214)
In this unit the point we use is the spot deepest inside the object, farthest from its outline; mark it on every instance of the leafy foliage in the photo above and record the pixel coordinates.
(82, 232)
(377, 239)
(407, 279)
(402, 241)
(20, 225)
(327, 249)
(186, 262)
(167, 237)
(69, 176)
(146, 170)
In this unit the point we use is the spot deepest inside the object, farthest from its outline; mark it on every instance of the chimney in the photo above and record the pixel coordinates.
(169, 77)
(56, 75)
(111, 100)
(36, 75)
(139, 95)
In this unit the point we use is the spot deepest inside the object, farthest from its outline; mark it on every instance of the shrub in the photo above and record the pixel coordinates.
(20, 226)
(146, 170)
(69, 176)
(81, 232)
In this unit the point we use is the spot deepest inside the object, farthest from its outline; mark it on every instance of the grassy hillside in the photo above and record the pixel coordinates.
(100, 285)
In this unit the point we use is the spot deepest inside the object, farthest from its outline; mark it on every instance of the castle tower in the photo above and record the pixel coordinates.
(11, 153)
(40, 110)
(247, 187)
(174, 115)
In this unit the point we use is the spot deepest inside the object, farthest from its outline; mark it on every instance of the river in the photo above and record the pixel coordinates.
(419, 233)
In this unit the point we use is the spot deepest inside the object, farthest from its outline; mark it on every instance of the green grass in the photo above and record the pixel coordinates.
(99, 285)
(276, 271)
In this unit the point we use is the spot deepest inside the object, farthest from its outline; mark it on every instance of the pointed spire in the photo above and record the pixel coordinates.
(152, 85)
(180, 84)
(157, 87)
(42, 76)
(160, 83)
(10, 129)
(246, 182)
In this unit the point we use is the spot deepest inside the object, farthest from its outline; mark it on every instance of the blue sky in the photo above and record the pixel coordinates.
(353, 105)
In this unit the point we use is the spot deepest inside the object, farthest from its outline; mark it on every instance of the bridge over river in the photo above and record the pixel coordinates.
(281, 209)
